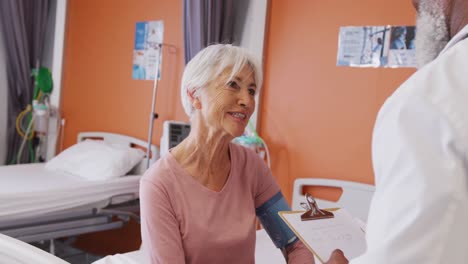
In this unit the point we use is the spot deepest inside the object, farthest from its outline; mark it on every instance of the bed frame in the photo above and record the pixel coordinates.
(356, 197)
(86, 219)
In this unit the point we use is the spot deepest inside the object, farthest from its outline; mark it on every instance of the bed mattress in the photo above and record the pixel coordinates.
(29, 190)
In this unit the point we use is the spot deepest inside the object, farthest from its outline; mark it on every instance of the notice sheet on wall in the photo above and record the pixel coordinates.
(146, 53)
(377, 46)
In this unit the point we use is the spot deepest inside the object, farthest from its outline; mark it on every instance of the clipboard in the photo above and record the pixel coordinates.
(321, 235)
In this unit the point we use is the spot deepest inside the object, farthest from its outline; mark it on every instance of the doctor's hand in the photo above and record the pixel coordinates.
(337, 257)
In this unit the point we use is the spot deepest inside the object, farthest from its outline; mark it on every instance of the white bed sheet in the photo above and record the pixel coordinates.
(13, 251)
(134, 257)
(30, 190)
(265, 253)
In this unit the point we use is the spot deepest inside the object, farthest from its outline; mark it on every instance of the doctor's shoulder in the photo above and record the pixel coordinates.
(435, 83)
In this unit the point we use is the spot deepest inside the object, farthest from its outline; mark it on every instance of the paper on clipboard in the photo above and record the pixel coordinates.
(322, 236)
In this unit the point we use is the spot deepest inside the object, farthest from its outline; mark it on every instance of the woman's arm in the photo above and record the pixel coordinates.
(281, 235)
(159, 227)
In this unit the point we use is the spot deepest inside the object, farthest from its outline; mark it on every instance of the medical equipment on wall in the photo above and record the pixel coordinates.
(252, 140)
(32, 123)
(173, 133)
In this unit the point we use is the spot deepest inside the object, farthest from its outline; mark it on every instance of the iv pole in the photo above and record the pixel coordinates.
(153, 114)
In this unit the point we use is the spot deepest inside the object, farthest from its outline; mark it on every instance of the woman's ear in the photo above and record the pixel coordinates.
(195, 100)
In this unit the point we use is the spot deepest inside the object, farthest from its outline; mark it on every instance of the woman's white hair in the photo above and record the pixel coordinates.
(209, 63)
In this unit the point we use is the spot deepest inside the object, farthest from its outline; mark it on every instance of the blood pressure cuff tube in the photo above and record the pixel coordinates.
(277, 229)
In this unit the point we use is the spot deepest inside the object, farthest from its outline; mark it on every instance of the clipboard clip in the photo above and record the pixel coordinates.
(313, 211)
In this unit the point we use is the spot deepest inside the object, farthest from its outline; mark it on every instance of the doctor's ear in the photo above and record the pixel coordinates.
(195, 100)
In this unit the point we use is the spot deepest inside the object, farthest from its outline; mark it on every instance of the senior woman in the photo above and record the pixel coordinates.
(199, 202)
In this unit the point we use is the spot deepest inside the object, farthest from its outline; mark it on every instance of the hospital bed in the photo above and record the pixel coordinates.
(355, 197)
(37, 204)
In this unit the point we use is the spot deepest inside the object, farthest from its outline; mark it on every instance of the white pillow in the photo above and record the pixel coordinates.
(96, 160)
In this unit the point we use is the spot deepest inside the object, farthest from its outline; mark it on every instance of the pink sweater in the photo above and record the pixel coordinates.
(185, 222)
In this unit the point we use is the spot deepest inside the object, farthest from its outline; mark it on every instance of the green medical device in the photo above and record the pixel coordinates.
(43, 81)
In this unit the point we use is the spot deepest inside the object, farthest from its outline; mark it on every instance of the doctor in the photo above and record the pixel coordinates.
(420, 150)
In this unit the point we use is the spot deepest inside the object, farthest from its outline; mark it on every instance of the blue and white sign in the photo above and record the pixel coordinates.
(377, 46)
(146, 59)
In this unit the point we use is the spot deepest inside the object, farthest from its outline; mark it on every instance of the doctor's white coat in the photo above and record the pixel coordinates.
(419, 213)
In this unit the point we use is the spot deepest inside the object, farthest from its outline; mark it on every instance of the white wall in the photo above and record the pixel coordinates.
(249, 31)
(3, 102)
(48, 49)
(53, 59)
(47, 61)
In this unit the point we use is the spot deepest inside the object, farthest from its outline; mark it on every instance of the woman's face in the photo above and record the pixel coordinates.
(227, 104)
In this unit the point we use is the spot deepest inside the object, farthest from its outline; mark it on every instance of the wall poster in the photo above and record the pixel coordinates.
(377, 46)
(148, 40)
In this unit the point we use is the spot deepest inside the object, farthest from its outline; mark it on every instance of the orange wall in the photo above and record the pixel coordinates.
(98, 90)
(316, 117)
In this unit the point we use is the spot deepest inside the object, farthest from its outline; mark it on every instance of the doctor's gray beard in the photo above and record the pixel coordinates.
(431, 32)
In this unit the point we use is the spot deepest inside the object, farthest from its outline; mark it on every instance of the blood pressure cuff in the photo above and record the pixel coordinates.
(277, 229)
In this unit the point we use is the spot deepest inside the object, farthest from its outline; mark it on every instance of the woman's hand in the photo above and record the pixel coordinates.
(337, 257)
